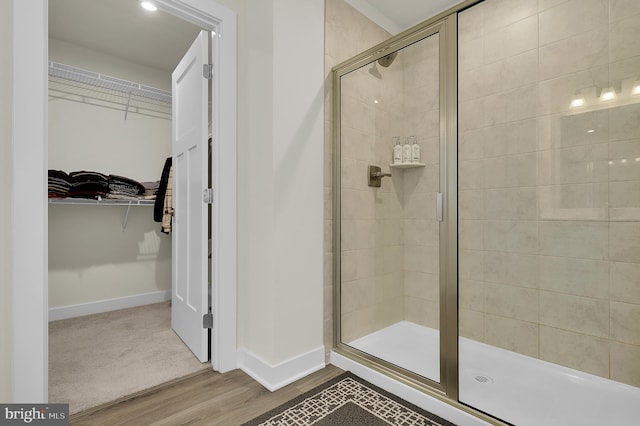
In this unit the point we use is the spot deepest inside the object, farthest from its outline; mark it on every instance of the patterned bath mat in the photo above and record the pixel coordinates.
(348, 400)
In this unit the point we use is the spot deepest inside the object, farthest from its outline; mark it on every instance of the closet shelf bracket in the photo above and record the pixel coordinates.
(126, 108)
(126, 217)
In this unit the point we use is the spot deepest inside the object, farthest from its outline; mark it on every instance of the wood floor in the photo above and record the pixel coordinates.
(203, 398)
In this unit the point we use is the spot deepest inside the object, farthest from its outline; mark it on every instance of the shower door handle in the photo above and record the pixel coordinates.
(439, 214)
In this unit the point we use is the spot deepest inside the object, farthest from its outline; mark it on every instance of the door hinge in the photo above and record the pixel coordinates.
(207, 196)
(207, 321)
(207, 71)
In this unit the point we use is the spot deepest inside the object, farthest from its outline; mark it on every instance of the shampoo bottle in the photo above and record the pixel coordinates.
(397, 150)
(406, 151)
(415, 150)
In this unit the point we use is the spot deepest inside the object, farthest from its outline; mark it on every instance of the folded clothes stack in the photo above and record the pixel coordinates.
(121, 187)
(59, 184)
(94, 185)
(87, 184)
(150, 190)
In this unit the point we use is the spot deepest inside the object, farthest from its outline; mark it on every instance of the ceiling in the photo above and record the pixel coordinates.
(159, 40)
(122, 28)
(398, 15)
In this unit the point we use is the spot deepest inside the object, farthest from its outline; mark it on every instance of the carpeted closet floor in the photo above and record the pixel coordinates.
(99, 358)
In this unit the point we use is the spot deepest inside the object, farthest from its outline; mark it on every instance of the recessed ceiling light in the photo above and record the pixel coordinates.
(148, 5)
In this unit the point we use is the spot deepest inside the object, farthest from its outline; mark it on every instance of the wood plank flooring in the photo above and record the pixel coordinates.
(203, 398)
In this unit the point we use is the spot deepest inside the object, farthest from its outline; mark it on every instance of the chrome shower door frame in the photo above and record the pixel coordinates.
(446, 28)
(445, 25)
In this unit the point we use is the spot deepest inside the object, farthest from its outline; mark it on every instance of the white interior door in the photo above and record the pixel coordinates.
(190, 223)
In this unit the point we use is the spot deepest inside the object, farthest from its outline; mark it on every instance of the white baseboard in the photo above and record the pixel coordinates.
(273, 377)
(82, 309)
(407, 393)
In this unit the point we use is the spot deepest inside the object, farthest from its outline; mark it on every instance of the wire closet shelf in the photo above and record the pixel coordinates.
(79, 85)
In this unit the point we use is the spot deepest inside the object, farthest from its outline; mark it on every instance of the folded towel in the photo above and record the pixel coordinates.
(87, 176)
(125, 184)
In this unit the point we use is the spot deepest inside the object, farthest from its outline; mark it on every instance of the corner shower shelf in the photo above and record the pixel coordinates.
(407, 165)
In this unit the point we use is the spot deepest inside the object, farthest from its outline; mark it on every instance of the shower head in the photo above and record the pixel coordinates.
(387, 60)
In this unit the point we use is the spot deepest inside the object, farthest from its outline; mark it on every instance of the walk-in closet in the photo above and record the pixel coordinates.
(110, 118)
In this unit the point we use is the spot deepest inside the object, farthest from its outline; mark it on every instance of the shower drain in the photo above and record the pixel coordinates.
(483, 379)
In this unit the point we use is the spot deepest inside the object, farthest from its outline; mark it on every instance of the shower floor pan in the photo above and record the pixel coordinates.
(513, 387)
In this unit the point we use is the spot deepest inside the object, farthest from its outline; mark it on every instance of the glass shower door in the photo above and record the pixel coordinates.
(549, 223)
(389, 251)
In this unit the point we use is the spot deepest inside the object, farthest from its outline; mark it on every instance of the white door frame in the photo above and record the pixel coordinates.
(29, 189)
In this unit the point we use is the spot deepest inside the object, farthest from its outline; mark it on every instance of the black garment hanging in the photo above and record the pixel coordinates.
(158, 206)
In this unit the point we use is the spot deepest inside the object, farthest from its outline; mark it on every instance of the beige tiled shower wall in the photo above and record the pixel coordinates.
(347, 33)
(372, 256)
(549, 194)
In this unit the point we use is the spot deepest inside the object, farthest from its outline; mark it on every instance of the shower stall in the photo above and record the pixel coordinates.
(499, 269)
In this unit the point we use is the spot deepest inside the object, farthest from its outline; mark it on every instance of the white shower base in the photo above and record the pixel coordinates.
(513, 387)
(407, 345)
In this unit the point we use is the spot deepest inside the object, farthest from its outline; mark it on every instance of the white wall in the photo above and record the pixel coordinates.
(6, 40)
(90, 257)
(292, 278)
(280, 176)
(257, 196)
(298, 106)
